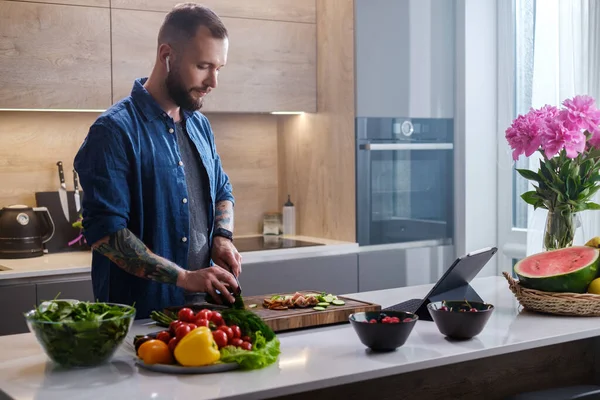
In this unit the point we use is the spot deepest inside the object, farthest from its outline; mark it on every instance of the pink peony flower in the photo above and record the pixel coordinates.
(552, 129)
(547, 112)
(580, 113)
(526, 134)
(557, 136)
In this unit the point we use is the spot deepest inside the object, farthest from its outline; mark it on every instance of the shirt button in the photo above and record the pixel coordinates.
(165, 115)
(171, 130)
(184, 239)
(180, 163)
(184, 200)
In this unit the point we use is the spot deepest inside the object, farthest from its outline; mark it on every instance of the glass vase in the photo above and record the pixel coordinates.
(561, 229)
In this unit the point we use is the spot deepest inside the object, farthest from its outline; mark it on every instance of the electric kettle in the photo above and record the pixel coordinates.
(24, 230)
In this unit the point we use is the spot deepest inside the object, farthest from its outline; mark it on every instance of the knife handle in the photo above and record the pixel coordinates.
(75, 180)
(61, 173)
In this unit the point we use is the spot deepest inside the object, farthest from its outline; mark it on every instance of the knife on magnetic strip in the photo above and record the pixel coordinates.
(62, 190)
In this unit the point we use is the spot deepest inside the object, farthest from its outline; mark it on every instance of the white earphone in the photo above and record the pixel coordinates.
(168, 66)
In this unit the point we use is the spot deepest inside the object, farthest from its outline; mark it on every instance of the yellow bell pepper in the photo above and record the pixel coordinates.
(197, 348)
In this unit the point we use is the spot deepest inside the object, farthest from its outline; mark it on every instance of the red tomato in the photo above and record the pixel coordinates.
(227, 330)
(247, 339)
(246, 346)
(172, 343)
(373, 321)
(204, 314)
(201, 322)
(220, 338)
(164, 336)
(182, 331)
(185, 315)
(237, 342)
(173, 327)
(216, 318)
(192, 326)
(237, 332)
(395, 320)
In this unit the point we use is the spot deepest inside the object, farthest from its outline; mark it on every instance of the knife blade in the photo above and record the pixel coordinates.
(76, 195)
(62, 190)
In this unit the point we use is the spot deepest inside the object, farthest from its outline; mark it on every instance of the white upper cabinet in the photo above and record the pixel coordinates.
(405, 56)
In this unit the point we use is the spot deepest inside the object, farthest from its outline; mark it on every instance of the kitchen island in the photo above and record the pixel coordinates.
(516, 351)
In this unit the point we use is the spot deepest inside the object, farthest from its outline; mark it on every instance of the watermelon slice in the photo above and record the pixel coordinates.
(564, 270)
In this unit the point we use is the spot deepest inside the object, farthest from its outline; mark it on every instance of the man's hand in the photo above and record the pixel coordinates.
(225, 255)
(208, 280)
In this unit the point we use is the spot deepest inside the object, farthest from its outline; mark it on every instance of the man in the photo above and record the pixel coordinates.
(157, 205)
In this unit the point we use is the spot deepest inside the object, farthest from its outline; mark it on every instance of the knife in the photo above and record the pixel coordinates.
(76, 195)
(62, 190)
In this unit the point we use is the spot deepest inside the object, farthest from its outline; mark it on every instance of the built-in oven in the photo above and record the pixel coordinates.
(404, 180)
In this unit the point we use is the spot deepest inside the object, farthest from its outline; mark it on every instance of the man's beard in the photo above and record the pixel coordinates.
(180, 95)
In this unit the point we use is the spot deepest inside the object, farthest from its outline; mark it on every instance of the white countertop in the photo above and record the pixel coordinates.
(81, 261)
(310, 359)
(48, 264)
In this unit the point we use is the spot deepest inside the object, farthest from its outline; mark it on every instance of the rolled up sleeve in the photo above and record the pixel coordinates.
(103, 169)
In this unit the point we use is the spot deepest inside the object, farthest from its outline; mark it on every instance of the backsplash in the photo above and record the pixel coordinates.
(32, 142)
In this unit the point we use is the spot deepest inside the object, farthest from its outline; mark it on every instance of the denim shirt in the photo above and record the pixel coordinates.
(132, 177)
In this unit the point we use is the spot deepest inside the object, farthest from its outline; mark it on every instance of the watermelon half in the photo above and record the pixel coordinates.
(564, 270)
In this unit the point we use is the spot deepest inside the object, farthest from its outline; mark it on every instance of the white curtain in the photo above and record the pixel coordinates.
(566, 62)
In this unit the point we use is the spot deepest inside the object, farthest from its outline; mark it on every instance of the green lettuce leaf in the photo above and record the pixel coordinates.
(263, 353)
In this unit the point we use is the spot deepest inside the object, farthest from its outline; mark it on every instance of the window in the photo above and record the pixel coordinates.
(515, 61)
(545, 55)
(525, 41)
(524, 12)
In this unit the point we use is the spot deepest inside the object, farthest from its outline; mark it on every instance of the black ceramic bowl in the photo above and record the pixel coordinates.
(383, 336)
(457, 320)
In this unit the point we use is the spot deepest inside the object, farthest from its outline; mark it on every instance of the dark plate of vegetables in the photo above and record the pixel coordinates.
(80, 334)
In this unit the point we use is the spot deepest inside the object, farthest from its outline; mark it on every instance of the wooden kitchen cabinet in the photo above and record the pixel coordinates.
(16, 300)
(271, 64)
(73, 289)
(333, 274)
(54, 56)
(280, 10)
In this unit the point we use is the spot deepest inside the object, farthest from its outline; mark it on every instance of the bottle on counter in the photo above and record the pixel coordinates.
(289, 218)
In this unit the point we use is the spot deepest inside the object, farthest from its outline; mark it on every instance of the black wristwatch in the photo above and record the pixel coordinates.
(223, 233)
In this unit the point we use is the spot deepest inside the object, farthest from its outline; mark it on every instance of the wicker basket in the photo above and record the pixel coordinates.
(577, 304)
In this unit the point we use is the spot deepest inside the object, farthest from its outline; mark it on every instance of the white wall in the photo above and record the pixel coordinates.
(476, 124)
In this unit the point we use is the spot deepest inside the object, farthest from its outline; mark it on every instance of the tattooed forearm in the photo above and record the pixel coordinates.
(224, 215)
(131, 254)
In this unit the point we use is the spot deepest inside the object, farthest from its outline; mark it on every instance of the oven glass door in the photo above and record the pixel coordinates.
(404, 192)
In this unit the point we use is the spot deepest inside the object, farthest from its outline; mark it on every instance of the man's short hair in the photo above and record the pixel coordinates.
(182, 22)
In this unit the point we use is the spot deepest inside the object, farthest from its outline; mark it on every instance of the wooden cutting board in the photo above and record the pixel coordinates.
(296, 318)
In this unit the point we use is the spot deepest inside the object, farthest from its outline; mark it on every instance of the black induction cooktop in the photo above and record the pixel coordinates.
(257, 243)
